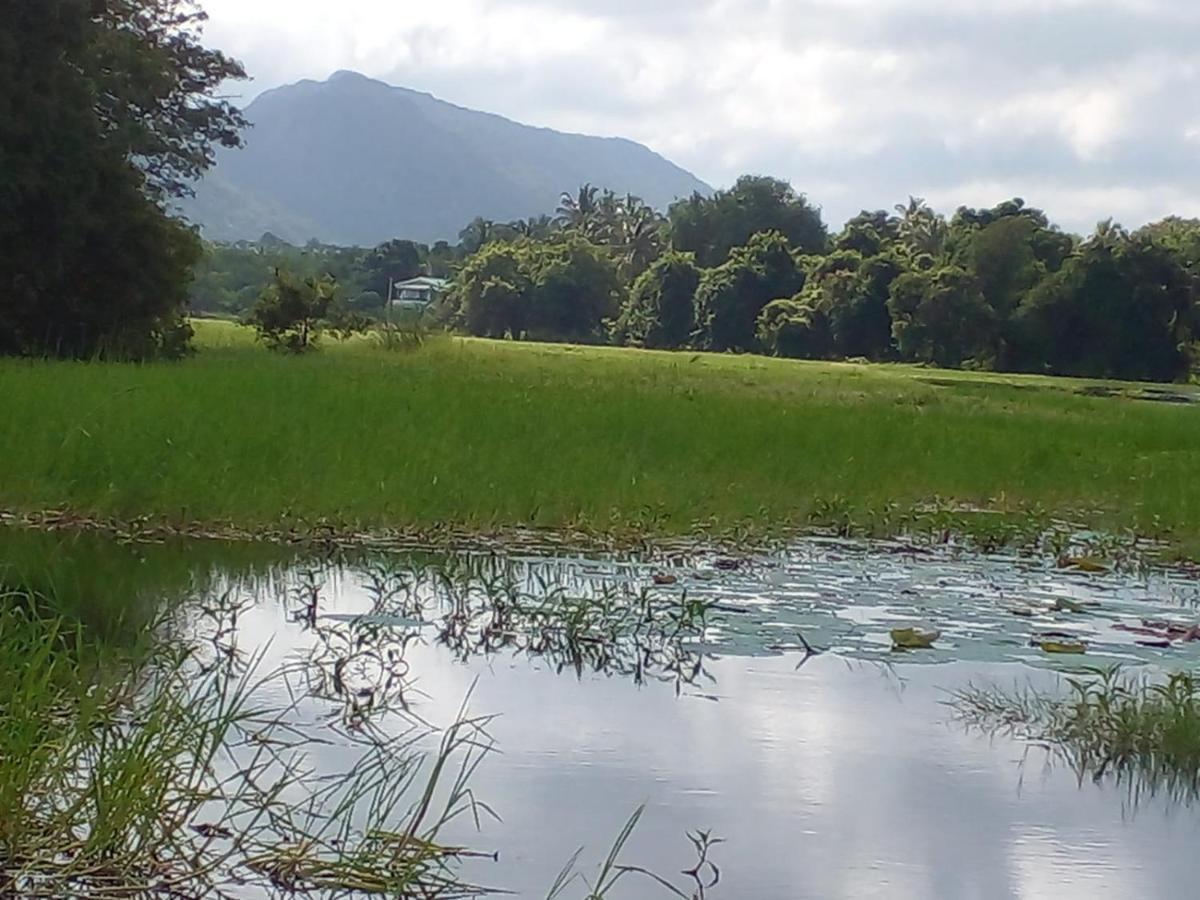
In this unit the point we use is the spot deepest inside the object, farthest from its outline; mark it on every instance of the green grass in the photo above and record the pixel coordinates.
(480, 434)
(1142, 734)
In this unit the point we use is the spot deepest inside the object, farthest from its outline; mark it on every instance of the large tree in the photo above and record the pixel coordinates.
(731, 296)
(108, 108)
(711, 227)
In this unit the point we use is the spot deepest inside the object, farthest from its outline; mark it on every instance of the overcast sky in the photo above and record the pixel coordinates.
(1088, 108)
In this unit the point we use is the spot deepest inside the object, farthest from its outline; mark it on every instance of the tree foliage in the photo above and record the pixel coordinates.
(997, 287)
(731, 296)
(711, 227)
(565, 289)
(292, 312)
(661, 310)
(106, 110)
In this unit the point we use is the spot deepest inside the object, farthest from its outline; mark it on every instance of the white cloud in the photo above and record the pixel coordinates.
(858, 102)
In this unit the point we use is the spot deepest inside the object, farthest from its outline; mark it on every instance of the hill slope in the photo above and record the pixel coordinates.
(356, 161)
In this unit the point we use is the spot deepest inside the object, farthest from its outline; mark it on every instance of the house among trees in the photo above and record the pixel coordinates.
(416, 293)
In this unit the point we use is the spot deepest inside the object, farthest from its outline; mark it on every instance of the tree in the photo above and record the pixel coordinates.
(852, 294)
(711, 227)
(578, 210)
(478, 234)
(106, 111)
(796, 329)
(660, 311)
(390, 262)
(159, 90)
(574, 290)
(1122, 307)
(869, 233)
(921, 232)
(492, 292)
(731, 296)
(942, 317)
(292, 312)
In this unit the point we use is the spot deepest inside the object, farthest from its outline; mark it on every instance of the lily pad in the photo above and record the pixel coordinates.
(913, 638)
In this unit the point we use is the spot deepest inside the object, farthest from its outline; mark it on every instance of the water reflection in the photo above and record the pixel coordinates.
(843, 778)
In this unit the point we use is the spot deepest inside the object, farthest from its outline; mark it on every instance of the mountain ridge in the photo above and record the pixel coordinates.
(354, 160)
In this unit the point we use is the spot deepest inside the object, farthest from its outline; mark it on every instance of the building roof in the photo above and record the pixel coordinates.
(422, 282)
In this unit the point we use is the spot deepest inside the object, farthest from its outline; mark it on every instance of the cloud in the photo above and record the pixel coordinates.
(1069, 103)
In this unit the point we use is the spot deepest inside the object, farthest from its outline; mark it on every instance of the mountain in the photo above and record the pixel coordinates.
(352, 160)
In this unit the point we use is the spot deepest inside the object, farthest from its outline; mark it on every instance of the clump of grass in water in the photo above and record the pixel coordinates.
(125, 774)
(1143, 734)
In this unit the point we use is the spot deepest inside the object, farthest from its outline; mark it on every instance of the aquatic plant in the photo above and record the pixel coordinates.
(1140, 732)
(137, 772)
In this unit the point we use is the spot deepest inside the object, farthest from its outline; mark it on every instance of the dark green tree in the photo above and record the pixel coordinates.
(660, 311)
(1122, 307)
(394, 261)
(575, 289)
(492, 292)
(941, 317)
(106, 111)
(796, 329)
(731, 296)
(711, 227)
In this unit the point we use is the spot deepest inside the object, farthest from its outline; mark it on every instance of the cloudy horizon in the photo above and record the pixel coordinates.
(1086, 108)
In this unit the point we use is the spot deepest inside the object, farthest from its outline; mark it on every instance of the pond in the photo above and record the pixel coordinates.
(757, 698)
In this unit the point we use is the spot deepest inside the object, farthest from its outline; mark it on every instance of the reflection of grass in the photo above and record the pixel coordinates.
(135, 762)
(137, 773)
(485, 433)
(1144, 735)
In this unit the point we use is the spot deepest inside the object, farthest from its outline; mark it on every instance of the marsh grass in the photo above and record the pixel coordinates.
(487, 435)
(1144, 734)
(157, 759)
(131, 772)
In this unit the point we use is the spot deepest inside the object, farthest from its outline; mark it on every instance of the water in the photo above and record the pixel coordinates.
(842, 774)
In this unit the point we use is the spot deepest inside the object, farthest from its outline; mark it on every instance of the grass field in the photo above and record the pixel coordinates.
(481, 434)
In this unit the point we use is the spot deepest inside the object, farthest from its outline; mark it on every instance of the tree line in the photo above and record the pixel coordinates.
(110, 109)
(754, 269)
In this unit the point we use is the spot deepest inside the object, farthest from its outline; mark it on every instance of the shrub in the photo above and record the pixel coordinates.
(291, 312)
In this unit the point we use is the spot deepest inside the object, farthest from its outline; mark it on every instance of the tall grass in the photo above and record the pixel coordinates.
(1141, 733)
(487, 434)
(146, 757)
(139, 773)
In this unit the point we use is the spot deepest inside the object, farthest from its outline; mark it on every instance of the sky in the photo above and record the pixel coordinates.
(1089, 109)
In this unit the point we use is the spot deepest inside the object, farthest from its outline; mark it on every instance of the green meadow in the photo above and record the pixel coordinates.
(481, 434)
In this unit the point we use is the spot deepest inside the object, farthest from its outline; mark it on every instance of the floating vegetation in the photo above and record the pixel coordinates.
(1142, 733)
(913, 638)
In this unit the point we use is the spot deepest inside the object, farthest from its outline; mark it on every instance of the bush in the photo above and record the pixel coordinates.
(292, 312)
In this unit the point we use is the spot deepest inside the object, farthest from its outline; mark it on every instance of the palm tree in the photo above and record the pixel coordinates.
(641, 238)
(922, 231)
(575, 211)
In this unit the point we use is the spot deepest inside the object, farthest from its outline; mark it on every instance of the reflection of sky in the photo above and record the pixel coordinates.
(839, 780)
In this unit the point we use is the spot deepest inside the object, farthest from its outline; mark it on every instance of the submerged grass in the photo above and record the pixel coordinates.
(1141, 733)
(493, 434)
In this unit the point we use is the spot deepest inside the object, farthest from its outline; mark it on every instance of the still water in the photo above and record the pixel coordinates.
(839, 774)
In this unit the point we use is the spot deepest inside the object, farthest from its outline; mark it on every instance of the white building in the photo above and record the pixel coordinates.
(416, 293)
